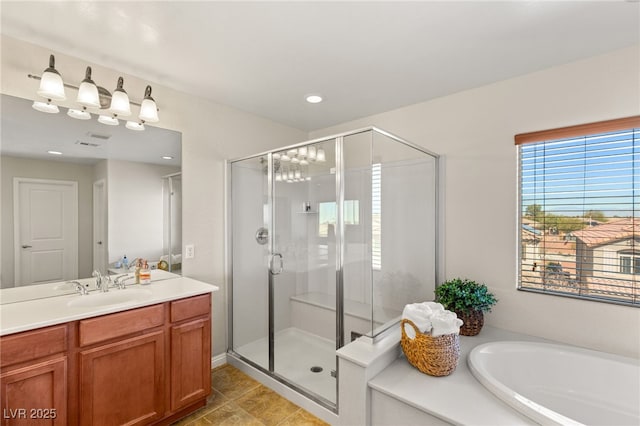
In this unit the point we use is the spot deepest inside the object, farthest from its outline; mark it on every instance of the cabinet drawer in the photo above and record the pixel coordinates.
(107, 327)
(191, 307)
(31, 345)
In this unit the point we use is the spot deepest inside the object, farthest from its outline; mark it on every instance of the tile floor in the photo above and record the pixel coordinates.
(237, 399)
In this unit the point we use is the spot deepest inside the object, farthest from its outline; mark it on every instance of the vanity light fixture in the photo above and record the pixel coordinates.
(54, 152)
(95, 98)
(47, 107)
(167, 157)
(79, 114)
(51, 85)
(109, 121)
(88, 92)
(120, 100)
(133, 125)
(148, 108)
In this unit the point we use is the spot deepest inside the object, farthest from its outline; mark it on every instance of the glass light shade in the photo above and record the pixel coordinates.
(109, 121)
(320, 157)
(302, 151)
(312, 152)
(148, 108)
(276, 155)
(278, 177)
(51, 86)
(292, 152)
(304, 162)
(285, 157)
(120, 103)
(47, 107)
(308, 178)
(295, 160)
(297, 174)
(133, 125)
(88, 95)
(291, 174)
(79, 114)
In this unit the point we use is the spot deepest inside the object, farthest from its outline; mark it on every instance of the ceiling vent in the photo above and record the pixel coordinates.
(98, 136)
(91, 144)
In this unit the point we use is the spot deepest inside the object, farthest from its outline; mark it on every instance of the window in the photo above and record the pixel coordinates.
(629, 263)
(580, 211)
(327, 213)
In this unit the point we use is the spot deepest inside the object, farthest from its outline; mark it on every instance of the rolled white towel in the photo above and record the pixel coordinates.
(445, 322)
(434, 306)
(420, 315)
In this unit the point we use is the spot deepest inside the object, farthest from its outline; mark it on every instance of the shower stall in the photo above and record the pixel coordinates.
(328, 240)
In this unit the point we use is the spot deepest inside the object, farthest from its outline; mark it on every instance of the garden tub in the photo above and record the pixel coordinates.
(559, 384)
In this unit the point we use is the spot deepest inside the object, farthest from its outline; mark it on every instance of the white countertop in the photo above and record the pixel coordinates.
(32, 314)
(458, 398)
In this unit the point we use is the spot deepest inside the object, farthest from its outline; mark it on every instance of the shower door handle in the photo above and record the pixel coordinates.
(272, 263)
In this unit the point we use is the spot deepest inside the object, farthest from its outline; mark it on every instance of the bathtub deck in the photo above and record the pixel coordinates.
(471, 403)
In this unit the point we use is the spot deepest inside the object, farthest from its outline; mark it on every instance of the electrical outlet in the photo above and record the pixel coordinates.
(189, 251)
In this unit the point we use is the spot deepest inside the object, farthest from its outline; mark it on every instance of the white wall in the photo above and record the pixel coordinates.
(42, 169)
(474, 132)
(211, 133)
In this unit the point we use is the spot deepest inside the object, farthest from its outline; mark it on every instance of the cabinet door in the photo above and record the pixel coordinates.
(190, 362)
(123, 382)
(35, 394)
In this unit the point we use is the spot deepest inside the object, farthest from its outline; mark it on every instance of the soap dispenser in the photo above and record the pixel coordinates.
(145, 273)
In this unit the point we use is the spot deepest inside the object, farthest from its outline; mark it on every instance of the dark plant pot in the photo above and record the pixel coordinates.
(473, 322)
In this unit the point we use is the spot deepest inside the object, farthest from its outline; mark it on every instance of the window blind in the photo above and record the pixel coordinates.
(580, 213)
(376, 216)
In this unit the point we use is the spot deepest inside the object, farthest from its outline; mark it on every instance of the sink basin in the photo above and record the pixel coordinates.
(113, 297)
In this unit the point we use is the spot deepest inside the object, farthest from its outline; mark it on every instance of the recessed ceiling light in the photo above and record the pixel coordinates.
(314, 99)
(167, 157)
(54, 152)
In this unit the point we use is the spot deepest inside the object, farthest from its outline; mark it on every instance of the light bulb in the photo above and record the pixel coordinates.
(295, 160)
(304, 162)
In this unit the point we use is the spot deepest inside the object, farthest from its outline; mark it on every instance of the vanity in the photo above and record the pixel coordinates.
(106, 358)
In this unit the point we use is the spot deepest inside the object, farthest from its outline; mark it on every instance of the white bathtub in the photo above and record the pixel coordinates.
(560, 385)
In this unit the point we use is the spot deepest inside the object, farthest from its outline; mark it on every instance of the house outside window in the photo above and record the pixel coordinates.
(579, 218)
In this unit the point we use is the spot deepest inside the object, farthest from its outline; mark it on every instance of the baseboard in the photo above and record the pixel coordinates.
(218, 360)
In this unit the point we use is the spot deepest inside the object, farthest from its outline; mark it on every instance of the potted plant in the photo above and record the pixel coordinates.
(469, 300)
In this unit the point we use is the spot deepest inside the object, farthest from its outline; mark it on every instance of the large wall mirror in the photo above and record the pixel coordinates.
(78, 195)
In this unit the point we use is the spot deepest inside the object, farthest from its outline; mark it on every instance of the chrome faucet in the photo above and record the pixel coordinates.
(100, 285)
(120, 281)
(79, 287)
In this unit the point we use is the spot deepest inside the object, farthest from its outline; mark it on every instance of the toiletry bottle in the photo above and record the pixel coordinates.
(125, 262)
(138, 267)
(145, 274)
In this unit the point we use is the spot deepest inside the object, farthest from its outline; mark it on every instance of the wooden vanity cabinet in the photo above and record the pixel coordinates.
(149, 365)
(33, 377)
(190, 351)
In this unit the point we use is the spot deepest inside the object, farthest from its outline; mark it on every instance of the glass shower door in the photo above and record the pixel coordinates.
(304, 272)
(250, 251)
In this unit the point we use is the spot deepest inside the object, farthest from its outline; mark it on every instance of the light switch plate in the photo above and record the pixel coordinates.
(189, 251)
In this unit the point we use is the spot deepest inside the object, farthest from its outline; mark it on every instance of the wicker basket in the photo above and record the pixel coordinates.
(473, 322)
(435, 356)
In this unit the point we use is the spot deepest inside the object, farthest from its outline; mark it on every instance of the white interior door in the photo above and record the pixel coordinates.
(100, 226)
(45, 230)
